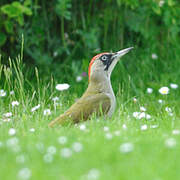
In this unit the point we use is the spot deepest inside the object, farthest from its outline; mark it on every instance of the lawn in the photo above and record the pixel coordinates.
(140, 141)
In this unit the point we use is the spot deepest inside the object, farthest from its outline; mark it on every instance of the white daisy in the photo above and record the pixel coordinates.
(51, 149)
(82, 127)
(32, 130)
(55, 99)
(161, 3)
(160, 101)
(126, 147)
(168, 109)
(176, 132)
(11, 92)
(35, 108)
(77, 147)
(2, 93)
(12, 131)
(149, 90)
(62, 87)
(142, 108)
(154, 56)
(48, 158)
(144, 127)
(173, 86)
(164, 90)
(62, 140)
(108, 136)
(78, 78)
(66, 152)
(15, 103)
(106, 128)
(7, 115)
(170, 142)
(93, 174)
(24, 173)
(47, 112)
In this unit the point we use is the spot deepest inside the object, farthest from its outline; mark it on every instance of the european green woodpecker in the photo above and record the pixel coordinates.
(99, 97)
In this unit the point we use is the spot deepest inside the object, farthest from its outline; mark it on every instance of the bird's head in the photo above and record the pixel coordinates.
(103, 64)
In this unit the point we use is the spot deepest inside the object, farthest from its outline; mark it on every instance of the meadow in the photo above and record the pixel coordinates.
(45, 50)
(140, 141)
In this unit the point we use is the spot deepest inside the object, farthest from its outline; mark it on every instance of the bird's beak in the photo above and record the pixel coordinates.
(121, 53)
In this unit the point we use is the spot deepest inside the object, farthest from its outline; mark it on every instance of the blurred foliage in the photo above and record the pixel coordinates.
(60, 32)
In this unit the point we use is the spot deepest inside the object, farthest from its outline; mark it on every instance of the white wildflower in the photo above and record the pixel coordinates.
(148, 116)
(82, 127)
(48, 158)
(11, 92)
(2, 93)
(35, 108)
(154, 126)
(117, 133)
(12, 131)
(51, 149)
(78, 78)
(173, 86)
(168, 109)
(142, 115)
(161, 3)
(142, 108)
(66, 152)
(154, 56)
(62, 140)
(135, 100)
(32, 130)
(62, 87)
(24, 173)
(176, 132)
(15, 103)
(13, 144)
(124, 126)
(55, 53)
(106, 128)
(7, 115)
(77, 147)
(170, 142)
(12, 141)
(109, 136)
(93, 174)
(144, 127)
(149, 90)
(160, 101)
(164, 90)
(136, 114)
(6, 119)
(126, 147)
(47, 112)
(55, 98)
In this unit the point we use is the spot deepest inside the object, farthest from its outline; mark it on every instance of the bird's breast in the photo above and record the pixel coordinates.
(113, 104)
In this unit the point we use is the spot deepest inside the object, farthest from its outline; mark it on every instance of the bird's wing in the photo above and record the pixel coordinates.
(84, 108)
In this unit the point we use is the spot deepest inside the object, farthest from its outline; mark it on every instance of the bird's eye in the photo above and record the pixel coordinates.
(104, 58)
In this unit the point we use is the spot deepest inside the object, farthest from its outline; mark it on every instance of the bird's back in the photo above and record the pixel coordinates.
(81, 110)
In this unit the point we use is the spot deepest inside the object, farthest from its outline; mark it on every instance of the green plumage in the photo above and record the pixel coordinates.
(84, 108)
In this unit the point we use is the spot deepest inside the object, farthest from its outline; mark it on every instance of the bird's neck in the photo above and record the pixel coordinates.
(102, 85)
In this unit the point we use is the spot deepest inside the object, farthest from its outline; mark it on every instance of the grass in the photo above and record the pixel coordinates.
(122, 147)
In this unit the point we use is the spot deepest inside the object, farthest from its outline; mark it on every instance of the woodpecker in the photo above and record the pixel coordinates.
(99, 97)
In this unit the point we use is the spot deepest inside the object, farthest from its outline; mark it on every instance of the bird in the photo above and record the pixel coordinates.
(99, 97)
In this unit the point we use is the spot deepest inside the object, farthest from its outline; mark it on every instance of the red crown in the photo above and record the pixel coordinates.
(92, 61)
